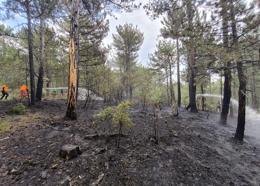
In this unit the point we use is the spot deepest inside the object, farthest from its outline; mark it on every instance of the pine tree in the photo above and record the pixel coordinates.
(163, 59)
(44, 10)
(26, 8)
(127, 43)
(227, 70)
(172, 29)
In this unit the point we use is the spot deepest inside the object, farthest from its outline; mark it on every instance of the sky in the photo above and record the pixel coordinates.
(150, 28)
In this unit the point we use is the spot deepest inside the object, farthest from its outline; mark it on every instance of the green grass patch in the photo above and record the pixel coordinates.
(4, 126)
(18, 109)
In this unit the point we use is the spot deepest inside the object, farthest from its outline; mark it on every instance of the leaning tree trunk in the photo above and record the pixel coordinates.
(42, 60)
(241, 118)
(178, 73)
(30, 49)
(191, 60)
(73, 61)
(227, 72)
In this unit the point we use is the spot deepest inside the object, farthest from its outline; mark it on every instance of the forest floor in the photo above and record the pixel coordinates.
(193, 149)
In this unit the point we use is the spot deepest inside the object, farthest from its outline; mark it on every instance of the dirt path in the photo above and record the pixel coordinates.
(192, 150)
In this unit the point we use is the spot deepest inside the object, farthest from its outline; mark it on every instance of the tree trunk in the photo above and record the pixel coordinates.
(173, 100)
(171, 84)
(73, 61)
(242, 81)
(231, 106)
(42, 60)
(131, 91)
(178, 73)
(227, 72)
(78, 63)
(221, 86)
(227, 96)
(167, 86)
(30, 49)
(119, 134)
(210, 86)
(202, 98)
(253, 89)
(191, 60)
(26, 71)
(241, 103)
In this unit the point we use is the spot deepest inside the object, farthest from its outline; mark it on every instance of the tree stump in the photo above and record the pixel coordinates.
(69, 152)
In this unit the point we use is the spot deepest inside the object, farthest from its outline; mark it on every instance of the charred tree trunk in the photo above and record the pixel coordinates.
(78, 63)
(191, 60)
(242, 81)
(241, 103)
(227, 96)
(42, 60)
(178, 73)
(227, 72)
(30, 49)
(73, 62)
(131, 91)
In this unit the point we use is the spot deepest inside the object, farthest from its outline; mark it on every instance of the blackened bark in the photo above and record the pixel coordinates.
(42, 60)
(78, 63)
(178, 73)
(227, 96)
(191, 60)
(131, 91)
(241, 103)
(227, 72)
(30, 49)
(242, 80)
(192, 92)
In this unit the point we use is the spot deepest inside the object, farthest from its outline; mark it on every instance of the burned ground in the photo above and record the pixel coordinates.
(193, 149)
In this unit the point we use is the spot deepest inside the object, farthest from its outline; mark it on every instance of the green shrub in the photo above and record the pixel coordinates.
(119, 116)
(18, 109)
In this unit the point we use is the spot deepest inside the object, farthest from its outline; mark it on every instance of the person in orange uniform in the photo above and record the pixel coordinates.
(23, 91)
(4, 92)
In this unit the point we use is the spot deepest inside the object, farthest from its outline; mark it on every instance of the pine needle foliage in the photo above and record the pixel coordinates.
(119, 115)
